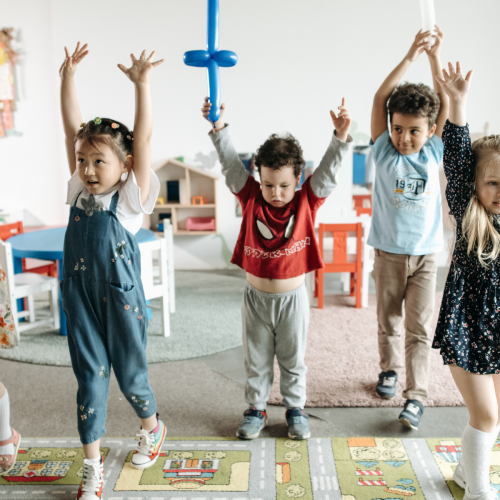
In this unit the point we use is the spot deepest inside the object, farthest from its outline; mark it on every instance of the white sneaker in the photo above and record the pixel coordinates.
(91, 485)
(492, 494)
(459, 476)
(149, 447)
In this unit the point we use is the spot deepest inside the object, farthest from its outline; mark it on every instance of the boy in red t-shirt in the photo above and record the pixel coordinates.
(276, 247)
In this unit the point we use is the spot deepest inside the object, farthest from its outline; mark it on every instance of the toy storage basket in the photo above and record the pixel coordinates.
(200, 224)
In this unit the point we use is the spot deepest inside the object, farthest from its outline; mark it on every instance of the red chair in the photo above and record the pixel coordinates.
(341, 263)
(49, 268)
(362, 200)
(362, 210)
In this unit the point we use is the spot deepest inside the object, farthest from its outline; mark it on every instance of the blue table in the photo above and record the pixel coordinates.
(48, 244)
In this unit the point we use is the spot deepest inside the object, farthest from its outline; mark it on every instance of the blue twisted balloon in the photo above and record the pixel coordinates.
(212, 59)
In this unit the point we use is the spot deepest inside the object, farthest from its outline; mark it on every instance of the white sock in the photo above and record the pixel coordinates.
(94, 460)
(5, 430)
(476, 456)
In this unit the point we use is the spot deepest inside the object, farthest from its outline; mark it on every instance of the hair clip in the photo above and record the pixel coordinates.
(115, 125)
(97, 121)
(130, 136)
(82, 124)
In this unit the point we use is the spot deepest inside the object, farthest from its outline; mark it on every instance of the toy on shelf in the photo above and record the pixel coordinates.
(160, 201)
(188, 191)
(200, 223)
(211, 59)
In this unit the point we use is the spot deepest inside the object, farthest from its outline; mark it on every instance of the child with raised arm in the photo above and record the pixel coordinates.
(406, 229)
(102, 290)
(467, 333)
(276, 247)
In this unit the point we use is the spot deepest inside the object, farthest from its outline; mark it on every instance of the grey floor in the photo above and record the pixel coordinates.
(198, 397)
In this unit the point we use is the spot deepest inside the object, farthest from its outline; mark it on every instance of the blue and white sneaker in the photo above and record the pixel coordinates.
(411, 414)
(386, 387)
(296, 420)
(253, 423)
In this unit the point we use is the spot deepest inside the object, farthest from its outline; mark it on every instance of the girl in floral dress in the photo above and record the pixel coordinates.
(10, 439)
(468, 331)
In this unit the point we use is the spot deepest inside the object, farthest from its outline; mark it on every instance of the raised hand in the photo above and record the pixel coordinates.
(435, 50)
(219, 124)
(418, 45)
(342, 121)
(141, 68)
(453, 82)
(71, 62)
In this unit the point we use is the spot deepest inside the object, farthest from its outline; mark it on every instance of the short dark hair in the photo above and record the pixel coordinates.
(280, 151)
(119, 138)
(414, 99)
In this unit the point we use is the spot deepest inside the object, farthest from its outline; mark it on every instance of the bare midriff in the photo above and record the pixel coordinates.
(275, 286)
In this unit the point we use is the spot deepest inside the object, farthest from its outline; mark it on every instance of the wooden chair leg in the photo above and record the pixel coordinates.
(321, 274)
(54, 306)
(31, 308)
(359, 299)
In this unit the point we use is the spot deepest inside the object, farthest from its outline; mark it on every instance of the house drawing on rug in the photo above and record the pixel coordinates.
(189, 473)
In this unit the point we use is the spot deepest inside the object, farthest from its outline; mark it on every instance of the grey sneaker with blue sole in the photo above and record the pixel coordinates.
(411, 414)
(252, 424)
(296, 420)
(386, 387)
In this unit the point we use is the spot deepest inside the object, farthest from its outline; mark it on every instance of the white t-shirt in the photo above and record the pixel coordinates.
(129, 211)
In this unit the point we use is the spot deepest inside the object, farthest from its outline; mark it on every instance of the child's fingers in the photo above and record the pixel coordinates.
(333, 115)
(133, 58)
(77, 48)
(122, 67)
(143, 55)
(343, 102)
(468, 78)
(451, 69)
(157, 63)
(459, 68)
(151, 55)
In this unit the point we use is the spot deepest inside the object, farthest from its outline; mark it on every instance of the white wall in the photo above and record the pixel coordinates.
(296, 61)
(32, 160)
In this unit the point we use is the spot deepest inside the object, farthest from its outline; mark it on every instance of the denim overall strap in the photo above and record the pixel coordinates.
(76, 201)
(114, 203)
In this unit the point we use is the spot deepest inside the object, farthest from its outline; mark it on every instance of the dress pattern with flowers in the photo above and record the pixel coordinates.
(9, 336)
(468, 329)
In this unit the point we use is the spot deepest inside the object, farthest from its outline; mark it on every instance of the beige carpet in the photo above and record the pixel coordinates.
(343, 360)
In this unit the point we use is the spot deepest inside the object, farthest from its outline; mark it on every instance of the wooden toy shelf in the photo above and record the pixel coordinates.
(193, 182)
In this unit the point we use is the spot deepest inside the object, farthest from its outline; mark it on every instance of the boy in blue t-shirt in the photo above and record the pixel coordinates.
(406, 229)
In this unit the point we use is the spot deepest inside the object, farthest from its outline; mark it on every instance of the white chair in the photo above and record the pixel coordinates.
(165, 288)
(26, 285)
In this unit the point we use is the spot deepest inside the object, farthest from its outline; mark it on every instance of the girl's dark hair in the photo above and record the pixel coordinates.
(415, 99)
(119, 139)
(278, 152)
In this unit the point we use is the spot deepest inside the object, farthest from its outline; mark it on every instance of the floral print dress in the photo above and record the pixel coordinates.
(9, 337)
(468, 330)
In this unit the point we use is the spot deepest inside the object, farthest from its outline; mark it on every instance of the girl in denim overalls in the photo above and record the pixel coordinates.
(102, 290)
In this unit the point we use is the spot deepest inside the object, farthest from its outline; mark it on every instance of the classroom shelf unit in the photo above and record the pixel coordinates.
(193, 182)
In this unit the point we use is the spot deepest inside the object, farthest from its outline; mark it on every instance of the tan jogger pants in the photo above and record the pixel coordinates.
(408, 279)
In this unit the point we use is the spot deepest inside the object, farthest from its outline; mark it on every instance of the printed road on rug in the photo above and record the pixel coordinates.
(263, 469)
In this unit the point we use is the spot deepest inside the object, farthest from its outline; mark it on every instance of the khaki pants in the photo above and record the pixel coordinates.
(410, 279)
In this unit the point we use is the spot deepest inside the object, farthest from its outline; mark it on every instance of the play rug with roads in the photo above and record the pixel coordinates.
(263, 469)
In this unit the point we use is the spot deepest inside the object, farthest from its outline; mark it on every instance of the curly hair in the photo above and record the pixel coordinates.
(278, 152)
(414, 99)
(119, 139)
